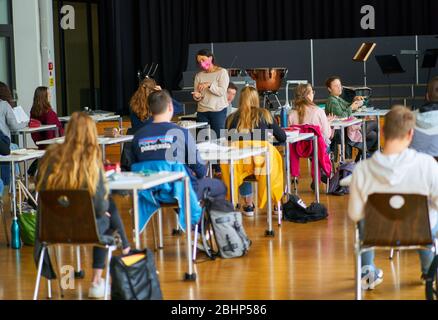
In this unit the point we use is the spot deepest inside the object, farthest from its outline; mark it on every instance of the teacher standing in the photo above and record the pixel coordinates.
(210, 91)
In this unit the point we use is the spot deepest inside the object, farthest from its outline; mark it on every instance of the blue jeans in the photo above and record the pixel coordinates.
(5, 169)
(245, 189)
(426, 256)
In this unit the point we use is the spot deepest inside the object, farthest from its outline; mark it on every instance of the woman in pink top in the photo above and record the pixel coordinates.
(307, 112)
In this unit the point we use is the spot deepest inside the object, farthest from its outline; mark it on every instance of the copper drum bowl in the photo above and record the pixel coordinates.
(267, 79)
(234, 72)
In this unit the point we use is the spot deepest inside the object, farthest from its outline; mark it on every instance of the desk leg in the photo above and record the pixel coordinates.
(378, 132)
(232, 197)
(342, 144)
(316, 167)
(136, 223)
(288, 173)
(103, 153)
(364, 140)
(26, 177)
(190, 275)
(270, 231)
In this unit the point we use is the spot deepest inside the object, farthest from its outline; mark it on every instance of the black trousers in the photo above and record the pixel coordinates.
(107, 226)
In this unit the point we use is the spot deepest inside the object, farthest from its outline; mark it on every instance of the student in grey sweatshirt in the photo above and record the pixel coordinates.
(8, 122)
(397, 169)
(426, 130)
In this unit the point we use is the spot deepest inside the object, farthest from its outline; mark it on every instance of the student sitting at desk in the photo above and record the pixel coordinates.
(42, 111)
(8, 123)
(140, 113)
(307, 112)
(426, 130)
(250, 122)
(164, 140)
(396, 169)
(5, 149)
(77, 164)
(338, 107)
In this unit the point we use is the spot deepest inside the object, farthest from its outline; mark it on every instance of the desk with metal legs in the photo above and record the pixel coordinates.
(13, 158)
(230, 156)
(137, 182)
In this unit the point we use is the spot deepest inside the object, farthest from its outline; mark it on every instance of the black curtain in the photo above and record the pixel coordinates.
(137, 32)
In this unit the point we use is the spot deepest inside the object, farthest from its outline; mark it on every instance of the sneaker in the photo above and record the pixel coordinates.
(97, 291)
(371, 282)
(248, 210)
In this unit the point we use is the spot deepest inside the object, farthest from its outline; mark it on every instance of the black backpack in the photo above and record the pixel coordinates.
(345, 169)
(295, 210)
(135, 282)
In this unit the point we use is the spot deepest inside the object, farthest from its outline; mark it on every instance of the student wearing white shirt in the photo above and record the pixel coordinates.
(396, 169)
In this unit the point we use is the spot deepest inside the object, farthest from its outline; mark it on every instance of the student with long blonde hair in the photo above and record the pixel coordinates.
(250, 122)
(77, 164)
(307, 112)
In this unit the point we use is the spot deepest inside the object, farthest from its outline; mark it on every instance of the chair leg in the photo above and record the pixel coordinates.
(154, 232)
(108, 271)
(195, 242)
(358, 276)
(59, 270)
(38, 279)
(391, 254)
(280, 213)
(49, 289)
(160, 229)
(256, 196)
(79, 273)
(177, 231)
(327, 186)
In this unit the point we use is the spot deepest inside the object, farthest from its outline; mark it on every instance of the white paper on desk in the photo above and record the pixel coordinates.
(20, 115)
(212, 147)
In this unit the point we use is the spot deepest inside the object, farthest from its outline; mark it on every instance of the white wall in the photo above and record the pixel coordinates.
(27, 50)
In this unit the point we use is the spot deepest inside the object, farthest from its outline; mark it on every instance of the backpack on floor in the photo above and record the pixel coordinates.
(134, 277)
(27, 222)
(229, 234)
(345, 169)
(295, 210)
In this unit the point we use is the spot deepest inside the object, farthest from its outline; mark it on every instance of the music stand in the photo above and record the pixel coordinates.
(429, 61)
(362, 55)
(389, 65)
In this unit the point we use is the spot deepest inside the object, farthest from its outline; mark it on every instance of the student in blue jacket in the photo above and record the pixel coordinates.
(164, 140)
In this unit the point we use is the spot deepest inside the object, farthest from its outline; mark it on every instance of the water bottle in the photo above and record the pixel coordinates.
(15, 235)
(283, 117)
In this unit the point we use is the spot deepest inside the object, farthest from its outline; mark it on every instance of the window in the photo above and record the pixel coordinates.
(6, 45)
(78, 57)
(4, 12)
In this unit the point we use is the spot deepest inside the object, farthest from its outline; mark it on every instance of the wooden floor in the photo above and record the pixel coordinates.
(311, 261)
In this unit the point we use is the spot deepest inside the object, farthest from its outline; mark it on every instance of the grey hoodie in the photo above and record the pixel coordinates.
(409, 172)
(8, 122)
(426, 131)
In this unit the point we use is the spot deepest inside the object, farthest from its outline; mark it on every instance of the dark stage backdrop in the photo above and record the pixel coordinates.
(137, 32)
